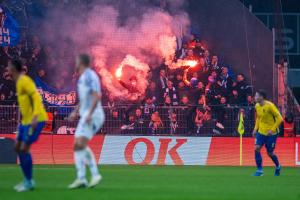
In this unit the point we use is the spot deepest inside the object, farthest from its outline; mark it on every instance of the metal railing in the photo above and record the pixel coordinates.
(143, 120)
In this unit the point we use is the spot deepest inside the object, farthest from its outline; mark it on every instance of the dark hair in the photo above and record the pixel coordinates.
(17, 64)
(84, 59)
(241, 75)
(262, 93)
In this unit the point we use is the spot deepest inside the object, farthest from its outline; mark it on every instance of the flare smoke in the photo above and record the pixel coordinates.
(145, 34)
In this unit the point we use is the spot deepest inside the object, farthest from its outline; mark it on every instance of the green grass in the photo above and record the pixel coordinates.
(156, 182)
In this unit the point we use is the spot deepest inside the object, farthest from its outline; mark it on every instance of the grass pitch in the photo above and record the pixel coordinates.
(156, 182)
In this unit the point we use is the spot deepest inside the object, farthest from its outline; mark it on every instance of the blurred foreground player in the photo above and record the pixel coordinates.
(268, 120)
(91, 120)
(33, 120)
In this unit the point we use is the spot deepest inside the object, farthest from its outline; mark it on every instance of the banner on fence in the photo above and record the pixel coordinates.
(53, 96)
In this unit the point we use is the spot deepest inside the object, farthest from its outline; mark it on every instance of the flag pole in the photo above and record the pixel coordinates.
(241, 149)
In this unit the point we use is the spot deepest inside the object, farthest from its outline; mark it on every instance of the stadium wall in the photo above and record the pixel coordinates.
(239, 37)
(162, 150)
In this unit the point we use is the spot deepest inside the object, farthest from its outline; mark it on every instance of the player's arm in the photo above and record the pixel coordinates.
(278, 119)
(96, 98)
(93, 84)
(74, 114)
(257, 119)
(35, 97)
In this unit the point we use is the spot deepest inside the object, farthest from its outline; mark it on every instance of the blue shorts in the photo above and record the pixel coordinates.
(268, 141)
(27, 135)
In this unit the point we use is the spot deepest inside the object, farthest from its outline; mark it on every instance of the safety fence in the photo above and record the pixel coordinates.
(149, 120)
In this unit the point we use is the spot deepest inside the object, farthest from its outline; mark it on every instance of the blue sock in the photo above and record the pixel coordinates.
(258, 160)
(275, 160)
(26, 164)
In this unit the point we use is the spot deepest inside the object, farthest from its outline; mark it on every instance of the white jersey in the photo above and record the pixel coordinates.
(87, 84)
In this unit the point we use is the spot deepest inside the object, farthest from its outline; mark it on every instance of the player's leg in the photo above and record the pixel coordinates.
(96, 124)
(91, 161)
(259, 142)
(270, 146)
(80, 145)
(17, 150)
(29, 137)
(24, 157)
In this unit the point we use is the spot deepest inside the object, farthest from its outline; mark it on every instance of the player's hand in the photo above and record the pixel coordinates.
(270, 132)
(253, 133)
(88, 119)
(72, 116)
(34, 122)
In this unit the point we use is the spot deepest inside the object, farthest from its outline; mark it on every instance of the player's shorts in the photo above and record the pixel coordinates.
(268, 141)
(28, 135)
(88, 130)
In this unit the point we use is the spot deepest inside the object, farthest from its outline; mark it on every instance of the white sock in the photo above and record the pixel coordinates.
(91, 161)
(79, 157)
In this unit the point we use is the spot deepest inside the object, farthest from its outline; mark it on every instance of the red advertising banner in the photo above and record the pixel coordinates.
(163, 150)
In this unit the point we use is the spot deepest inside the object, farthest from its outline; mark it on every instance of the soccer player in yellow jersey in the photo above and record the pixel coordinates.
(33, 120)
(268, 120)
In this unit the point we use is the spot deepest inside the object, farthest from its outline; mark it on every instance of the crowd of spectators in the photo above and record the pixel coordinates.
(205, 95)
(191, 100)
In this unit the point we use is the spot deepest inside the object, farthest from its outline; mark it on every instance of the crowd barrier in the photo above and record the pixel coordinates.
(176, 120)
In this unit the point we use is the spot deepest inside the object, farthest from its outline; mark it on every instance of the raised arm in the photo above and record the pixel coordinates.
(185, 78)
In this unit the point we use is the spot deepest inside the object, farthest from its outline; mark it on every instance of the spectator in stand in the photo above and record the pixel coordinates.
(182, 90)
(206, 57)
(173, 123)
(199, 119)
(167, 101)
(139, 116)
(221, 111)
(214, 64)
(111, 102)
(178, 78)
(225, 81)
(188, 111)
(5, 56)
(162, 80)
(198, 50)
(212, 91)
(139, 121)
(172, 93)
(250, 101)
(242, 88)
(128, 128)
(152, 92)
(149, 106)
(200, 90)
(234, 98)
(155, 123)
(114, 121)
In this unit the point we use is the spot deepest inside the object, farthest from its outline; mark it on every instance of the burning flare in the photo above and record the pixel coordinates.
(119, 72)
(181, 63)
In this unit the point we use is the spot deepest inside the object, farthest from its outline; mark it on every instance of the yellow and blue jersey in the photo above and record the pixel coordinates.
(268, 118)
(29, 100)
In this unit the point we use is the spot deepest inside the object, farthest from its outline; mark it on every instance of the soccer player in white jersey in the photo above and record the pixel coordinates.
(91, 119)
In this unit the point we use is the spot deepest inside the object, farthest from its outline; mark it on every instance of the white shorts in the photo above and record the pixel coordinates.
(88, 130)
